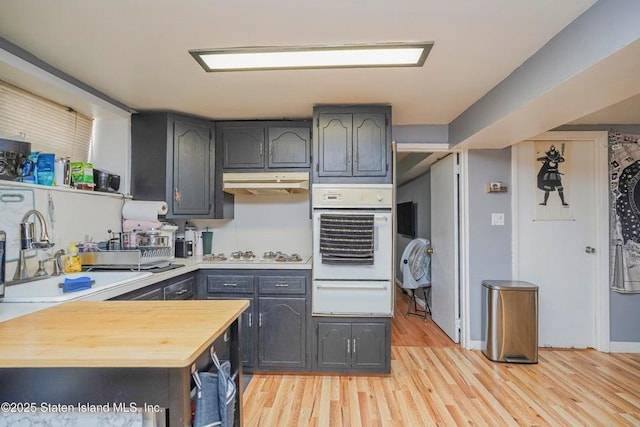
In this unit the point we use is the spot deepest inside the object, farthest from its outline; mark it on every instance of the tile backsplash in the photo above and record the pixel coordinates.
(264, 223)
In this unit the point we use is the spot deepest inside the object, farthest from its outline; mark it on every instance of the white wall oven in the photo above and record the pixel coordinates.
(352, 250)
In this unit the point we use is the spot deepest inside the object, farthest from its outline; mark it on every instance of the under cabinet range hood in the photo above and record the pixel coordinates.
(259, 183)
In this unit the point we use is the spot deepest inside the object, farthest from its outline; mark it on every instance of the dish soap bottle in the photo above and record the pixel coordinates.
(72, 263)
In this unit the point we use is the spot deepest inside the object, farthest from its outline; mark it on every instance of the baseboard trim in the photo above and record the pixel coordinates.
(474, 345)
(624, 347)
(614, 346)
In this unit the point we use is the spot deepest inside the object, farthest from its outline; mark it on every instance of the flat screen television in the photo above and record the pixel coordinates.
(406, 218)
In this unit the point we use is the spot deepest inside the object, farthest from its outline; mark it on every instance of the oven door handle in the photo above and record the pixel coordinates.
(370, 287)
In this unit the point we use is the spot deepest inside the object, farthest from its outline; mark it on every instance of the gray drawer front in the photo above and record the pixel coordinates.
(230, 284)
(282, 285)
(180, 290)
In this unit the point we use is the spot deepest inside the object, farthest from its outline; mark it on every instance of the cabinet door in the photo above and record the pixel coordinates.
(289, 147)
(247, 330)
(243, 147)
(281, 332)
(368, 345)
(334, 144)
(334, 345)
(369, 145)
(192, 163)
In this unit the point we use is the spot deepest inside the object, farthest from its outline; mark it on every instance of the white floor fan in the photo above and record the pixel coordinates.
(415, 265)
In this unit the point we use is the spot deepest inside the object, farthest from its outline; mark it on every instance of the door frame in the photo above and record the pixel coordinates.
(463, 220)
(601, 291)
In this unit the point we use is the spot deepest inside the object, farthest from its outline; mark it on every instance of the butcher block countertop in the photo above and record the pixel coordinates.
(116, 334)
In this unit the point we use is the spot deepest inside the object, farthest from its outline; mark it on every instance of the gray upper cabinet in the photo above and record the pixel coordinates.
(192, 166)
(353, 144)
(369, 145)
(173, 158)
(289, 147)
(334, 145)
(242, 145)
(264, 145)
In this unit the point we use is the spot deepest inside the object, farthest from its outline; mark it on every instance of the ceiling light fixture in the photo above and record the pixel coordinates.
(345, 56)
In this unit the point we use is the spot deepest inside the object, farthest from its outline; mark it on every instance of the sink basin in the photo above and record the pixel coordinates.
(47, 290)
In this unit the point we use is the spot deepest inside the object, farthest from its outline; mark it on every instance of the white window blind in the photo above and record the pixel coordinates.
(49, 127)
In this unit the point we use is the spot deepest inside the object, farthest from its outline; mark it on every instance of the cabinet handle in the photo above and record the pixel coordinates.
(250, 320)
(270, 151)
(354, 346)
(230, 284)
(176, 195)
(226, 337)
(182, 291)
(348, 346)
(261, 150)
(282, 285)
(260, 320)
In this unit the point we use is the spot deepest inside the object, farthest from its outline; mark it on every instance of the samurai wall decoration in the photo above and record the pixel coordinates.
(624, 176)
(553, 163)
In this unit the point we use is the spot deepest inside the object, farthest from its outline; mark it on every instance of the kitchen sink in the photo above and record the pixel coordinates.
(48, 289)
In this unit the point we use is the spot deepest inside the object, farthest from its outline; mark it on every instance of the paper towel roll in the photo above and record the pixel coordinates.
(143, 210)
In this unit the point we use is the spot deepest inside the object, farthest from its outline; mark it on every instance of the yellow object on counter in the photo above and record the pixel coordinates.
(72, 263)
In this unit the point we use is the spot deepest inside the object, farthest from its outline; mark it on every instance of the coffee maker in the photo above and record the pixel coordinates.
(14, 160)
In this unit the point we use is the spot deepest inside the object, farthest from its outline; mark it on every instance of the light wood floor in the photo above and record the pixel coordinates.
(434, 382)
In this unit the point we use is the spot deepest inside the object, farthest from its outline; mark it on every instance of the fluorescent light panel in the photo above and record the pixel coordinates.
(245, 59)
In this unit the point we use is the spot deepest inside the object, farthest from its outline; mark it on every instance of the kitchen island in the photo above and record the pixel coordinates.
(121, 353)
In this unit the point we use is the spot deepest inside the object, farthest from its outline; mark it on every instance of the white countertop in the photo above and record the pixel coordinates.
(10, 310)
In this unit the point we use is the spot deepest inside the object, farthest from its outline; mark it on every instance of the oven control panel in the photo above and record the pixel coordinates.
(352, 196)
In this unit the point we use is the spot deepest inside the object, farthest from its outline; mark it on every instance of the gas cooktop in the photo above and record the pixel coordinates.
(250, 257)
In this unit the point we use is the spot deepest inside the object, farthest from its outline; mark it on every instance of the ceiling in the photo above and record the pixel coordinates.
(136, 52)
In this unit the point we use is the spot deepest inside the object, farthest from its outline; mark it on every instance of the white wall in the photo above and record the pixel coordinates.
(111, 150)
(77, 216)
(264, 223)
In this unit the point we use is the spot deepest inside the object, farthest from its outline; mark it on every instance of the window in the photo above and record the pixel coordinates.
(49, 127)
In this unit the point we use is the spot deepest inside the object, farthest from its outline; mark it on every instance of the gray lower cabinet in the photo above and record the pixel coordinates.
(179, 287)
(274, 328)
(352, 345)
(150, 293)
(282, 332)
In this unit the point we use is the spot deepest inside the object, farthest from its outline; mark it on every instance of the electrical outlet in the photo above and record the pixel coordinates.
(497, 219)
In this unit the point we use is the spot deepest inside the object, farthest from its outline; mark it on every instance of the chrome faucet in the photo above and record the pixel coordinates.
(27, 242)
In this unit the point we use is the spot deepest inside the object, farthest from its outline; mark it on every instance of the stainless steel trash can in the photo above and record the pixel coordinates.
(510, 333)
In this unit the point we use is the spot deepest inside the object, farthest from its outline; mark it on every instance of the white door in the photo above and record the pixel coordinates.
(552, 240)
(445, 283)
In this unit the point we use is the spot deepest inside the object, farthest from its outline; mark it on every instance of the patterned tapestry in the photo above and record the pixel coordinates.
(624, 173)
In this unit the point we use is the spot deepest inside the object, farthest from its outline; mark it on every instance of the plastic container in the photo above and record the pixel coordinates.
(72, 262)
(207, 242)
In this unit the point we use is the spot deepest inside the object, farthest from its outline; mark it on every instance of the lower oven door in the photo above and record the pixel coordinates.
(352, 298)
(382, 249)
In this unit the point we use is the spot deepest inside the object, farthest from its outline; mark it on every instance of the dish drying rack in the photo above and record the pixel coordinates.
(141, 258)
